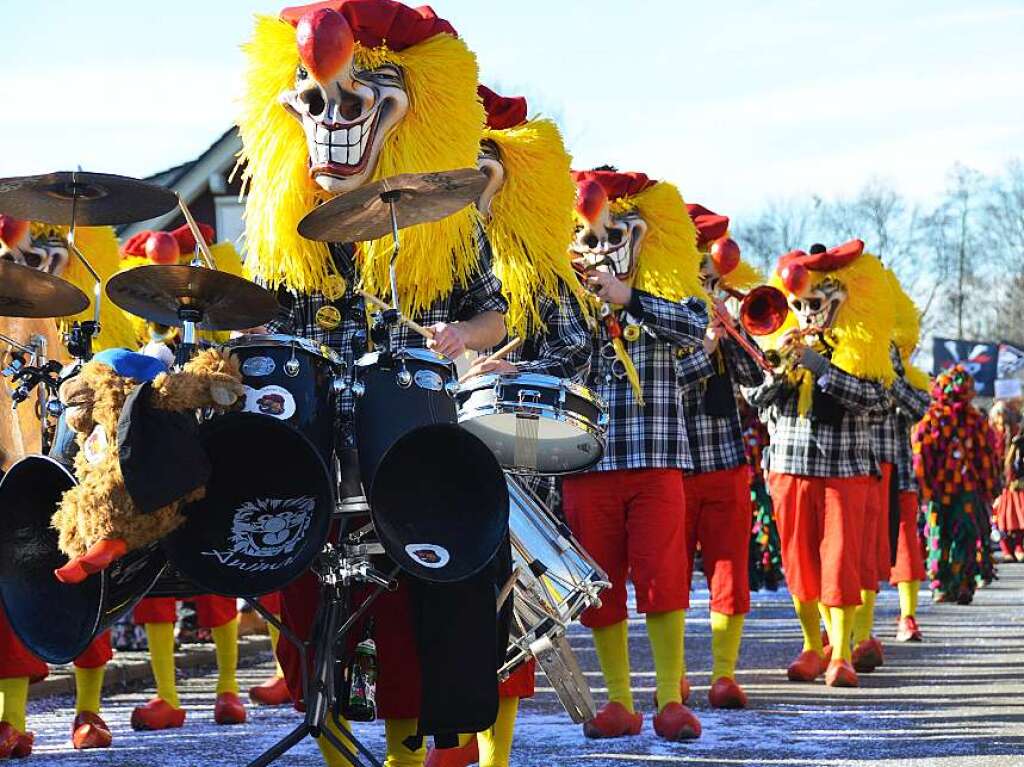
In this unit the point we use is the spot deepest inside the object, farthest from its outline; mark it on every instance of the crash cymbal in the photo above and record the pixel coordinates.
(156, 292)
(101, 199)
(364, 214)
(27, 292)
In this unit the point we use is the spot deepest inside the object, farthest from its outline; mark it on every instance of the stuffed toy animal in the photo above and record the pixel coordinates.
(139, 460)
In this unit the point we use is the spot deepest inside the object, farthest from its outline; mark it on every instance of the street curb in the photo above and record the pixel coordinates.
(122, 674)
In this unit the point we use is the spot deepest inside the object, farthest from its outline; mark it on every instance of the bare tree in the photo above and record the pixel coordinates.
(784, 226)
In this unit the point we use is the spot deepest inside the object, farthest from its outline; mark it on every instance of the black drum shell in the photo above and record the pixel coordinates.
(55, 620)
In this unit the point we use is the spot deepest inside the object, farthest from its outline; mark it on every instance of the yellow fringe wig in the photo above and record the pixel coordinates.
(862, 329)
(99, 245)
(669, 262)
(532, 224)
(440, 131)
(907, 332)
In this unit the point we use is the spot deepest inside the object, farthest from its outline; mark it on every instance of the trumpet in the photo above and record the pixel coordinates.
(784, 358)
(763, 310)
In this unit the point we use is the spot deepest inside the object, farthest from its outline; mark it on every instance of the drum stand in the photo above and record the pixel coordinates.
(338, 567)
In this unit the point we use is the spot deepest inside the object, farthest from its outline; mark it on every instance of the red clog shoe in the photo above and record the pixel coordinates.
(907, 630)
(807, 667)
(90, 731)
(879, 649)
(8, 739)
(158, 714)
(676, 722)
(228, 709)
(23, 748)
(613, 721)
(726, 693)
(462, 756)
(273, 692)
(841, 674)
(866, 657)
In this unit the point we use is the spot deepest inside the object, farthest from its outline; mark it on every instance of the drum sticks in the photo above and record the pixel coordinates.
(415, 326)
(503, 352)
(200, 240)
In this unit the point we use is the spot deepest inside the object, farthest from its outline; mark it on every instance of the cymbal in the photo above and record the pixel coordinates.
(364, 214)
(27, 292)
(156, 292)
(101, 199)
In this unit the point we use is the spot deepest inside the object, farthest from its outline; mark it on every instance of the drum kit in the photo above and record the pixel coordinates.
(281, 481)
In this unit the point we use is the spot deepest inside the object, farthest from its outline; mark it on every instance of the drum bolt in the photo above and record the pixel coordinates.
(404, 378)
(291, 368)
(451, 388)
(359, 388)
(340, 385)
(55, 407)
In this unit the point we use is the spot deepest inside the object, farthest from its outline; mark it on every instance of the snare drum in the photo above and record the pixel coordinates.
(556, 580)
(535, 424)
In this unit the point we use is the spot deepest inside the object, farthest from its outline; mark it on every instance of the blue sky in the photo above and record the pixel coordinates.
(736, 102)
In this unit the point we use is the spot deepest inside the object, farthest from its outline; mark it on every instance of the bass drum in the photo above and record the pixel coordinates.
(55, 620)
(266, 513)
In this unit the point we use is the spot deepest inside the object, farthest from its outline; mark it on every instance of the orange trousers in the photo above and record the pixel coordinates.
(211, 610)
(875, 569)
(909, 560)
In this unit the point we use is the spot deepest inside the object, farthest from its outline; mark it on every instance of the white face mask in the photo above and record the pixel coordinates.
(611, 243)
(817, 307)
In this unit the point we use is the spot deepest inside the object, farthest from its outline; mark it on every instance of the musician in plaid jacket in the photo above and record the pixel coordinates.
(636, 249)
(821, 458)
(718, 506)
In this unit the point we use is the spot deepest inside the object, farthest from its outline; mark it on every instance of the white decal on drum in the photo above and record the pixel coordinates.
(264, 531)
(428, 555)
(271, 400)
(257, 367)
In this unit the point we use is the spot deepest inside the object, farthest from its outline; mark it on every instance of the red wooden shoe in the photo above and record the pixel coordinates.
(158, 714)
(8, 739)
(228, 709)
(273, 692)
(908, 631)
(461, 756)
(676, 722)
(841, 674)
(726, 693)
(90, 731)
(866, 657)
(807, 667)
(23, 748)
(614, 721)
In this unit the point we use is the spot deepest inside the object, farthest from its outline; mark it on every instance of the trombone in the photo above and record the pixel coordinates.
(763, 310)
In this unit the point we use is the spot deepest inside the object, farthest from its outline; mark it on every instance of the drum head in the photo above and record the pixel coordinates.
(439, 503)
(266, 512)
(54, 620)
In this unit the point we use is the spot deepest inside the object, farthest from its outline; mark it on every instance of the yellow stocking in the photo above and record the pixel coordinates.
(332, 756)
(88, 687)
(726, 634)
(496, 743)
(807, 613)
(826, 618)
(395, 732)
(666, 631)
(225, 640)
(842, 630)
(13, 701)
(612, 645)
(275, 635)
(864, 616)
(161, 659)
(908, 597)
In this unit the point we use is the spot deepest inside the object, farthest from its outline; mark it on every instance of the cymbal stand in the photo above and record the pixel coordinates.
(191, 317)
(79, 338)
(337, 567)
(390, 318)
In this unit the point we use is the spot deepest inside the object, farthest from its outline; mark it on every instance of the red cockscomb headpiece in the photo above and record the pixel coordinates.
(794, 267)
(376, 23)
(615, 184)
(503, 112)
(710, 225)
(12, 230)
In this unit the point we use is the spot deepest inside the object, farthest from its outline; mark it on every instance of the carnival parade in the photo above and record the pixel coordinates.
(515, 459)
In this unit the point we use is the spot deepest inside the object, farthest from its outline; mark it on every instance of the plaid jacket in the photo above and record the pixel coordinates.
(298, 316)
(653, 436)
(810, 446)
(716, 441)
(563, 349)
(909, 406)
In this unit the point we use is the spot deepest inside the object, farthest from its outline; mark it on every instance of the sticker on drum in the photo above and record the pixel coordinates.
(270, 400)
(258, 367)
(266, 529)
(428, 554)
(429, 380)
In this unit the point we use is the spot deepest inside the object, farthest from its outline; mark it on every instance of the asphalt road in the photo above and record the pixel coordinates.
(955, 700)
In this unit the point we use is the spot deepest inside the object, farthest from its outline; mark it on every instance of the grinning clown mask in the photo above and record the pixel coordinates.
(817, 303)
(608, 239)
(40, 246)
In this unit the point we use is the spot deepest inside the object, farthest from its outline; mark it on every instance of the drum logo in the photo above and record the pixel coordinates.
(428, 554)
(271, 400)
(256, 367)
(265, 533)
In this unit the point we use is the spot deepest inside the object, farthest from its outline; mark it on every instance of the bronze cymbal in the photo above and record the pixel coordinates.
(364, 214)
(100, 199)
(27, 292)
(156, 292)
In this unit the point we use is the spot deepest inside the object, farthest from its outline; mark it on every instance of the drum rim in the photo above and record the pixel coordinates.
(491, 380)
(370, 359)
(283, 340)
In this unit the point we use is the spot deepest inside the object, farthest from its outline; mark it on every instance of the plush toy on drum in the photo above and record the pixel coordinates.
(140, 459)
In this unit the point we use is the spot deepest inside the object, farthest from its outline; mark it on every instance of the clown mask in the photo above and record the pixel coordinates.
(817, 306)
(346, 112)
(47, 251)
(606, 241)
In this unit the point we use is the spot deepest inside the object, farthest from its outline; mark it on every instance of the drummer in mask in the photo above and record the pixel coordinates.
(528, 210)
(402, 82)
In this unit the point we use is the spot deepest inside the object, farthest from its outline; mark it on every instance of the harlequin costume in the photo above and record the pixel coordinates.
(718, 485)
(416, 84)
(821, 458)
(528, 213)
(955, 466)
(765, 547)
(628, 511)
(44, 247)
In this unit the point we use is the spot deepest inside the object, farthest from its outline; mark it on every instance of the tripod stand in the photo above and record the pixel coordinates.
(338, 567)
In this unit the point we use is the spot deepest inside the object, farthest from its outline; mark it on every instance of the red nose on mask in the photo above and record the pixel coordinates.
(795, 277)
(325, 43)
(591, 199)
(12, 230)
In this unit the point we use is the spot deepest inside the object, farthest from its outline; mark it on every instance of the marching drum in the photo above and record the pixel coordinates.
(556, 580)
(535, 424)
(55, 620)
(436, 493)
